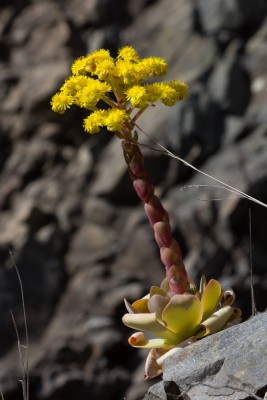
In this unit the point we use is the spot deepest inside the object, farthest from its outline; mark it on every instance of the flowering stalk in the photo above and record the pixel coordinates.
(176, 313)
(158, 217)
(123, 77)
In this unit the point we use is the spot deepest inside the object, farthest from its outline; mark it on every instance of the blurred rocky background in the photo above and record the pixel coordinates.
(68, 213)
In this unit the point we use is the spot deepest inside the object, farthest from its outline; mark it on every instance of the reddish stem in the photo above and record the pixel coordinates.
(170, 251)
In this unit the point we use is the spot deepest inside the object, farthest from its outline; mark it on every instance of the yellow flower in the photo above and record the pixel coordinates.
(112, 118)
(78, 67)
(153, 92)
(96, 58)
(128, 53)
(74, 83)
(60, 102)
(90, 95)
(171, 92)
(116, 119)
(137, 96)
(181, 89)
(128, 72)
(95, 120)
(154, 66)
(105, 69)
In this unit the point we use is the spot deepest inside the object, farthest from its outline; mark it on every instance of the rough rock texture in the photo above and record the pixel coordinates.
(230, 364)
(68, 213)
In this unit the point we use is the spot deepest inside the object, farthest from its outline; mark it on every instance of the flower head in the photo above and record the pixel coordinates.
(154, 66)
(137, 96)
(114, 120)
(120, 83)
(61, 101)
(128, 53)
(78, 67)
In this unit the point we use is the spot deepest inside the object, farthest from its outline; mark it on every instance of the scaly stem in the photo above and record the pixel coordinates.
(158, 217)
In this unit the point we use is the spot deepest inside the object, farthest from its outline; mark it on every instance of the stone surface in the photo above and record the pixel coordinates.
(77, 232)
(230, 364)
(231, 15)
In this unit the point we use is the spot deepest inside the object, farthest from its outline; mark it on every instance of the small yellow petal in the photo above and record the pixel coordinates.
(154, 66)
(128, 53)
(78, 67)
(96, 120)
(60, 102)
(116, 119)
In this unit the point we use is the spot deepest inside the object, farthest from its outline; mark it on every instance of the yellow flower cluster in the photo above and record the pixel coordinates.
(168, 92)
(112, 118)
(120, 84)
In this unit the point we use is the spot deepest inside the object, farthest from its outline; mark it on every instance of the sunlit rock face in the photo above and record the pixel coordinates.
(68, 213)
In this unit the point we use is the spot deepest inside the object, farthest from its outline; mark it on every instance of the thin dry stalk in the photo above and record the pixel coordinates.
(253, 299)
(1, 393)
(226, 186)
(24, 359)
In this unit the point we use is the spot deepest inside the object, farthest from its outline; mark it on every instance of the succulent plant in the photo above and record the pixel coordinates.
(174, 319)
(175, 313)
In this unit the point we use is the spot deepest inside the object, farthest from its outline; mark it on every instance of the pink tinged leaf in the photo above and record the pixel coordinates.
(171, 255)
(152, 368)
(215, 322)
(149, 323)
(177, 276)
(163, 234)
(182, 315)
(154, 362)
(143, 188)
(211, 297)
(136, 338)
(136, 167)
(154, 210)
(156, 305)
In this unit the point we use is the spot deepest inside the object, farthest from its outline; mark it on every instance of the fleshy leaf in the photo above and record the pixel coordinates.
(140, 305)
(165, 285)
(152, 344)
(210, 298)
(136, 338)
(216, 322)
(149, 323)
(202, 285)
(182, 315)
(236, 316)
(192, 287)
(129, 307)
(152, 368)
(157, 304)
(157, 290)
(228, 297)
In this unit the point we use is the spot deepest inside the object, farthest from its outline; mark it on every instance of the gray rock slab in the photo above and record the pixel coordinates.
(229, 365)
